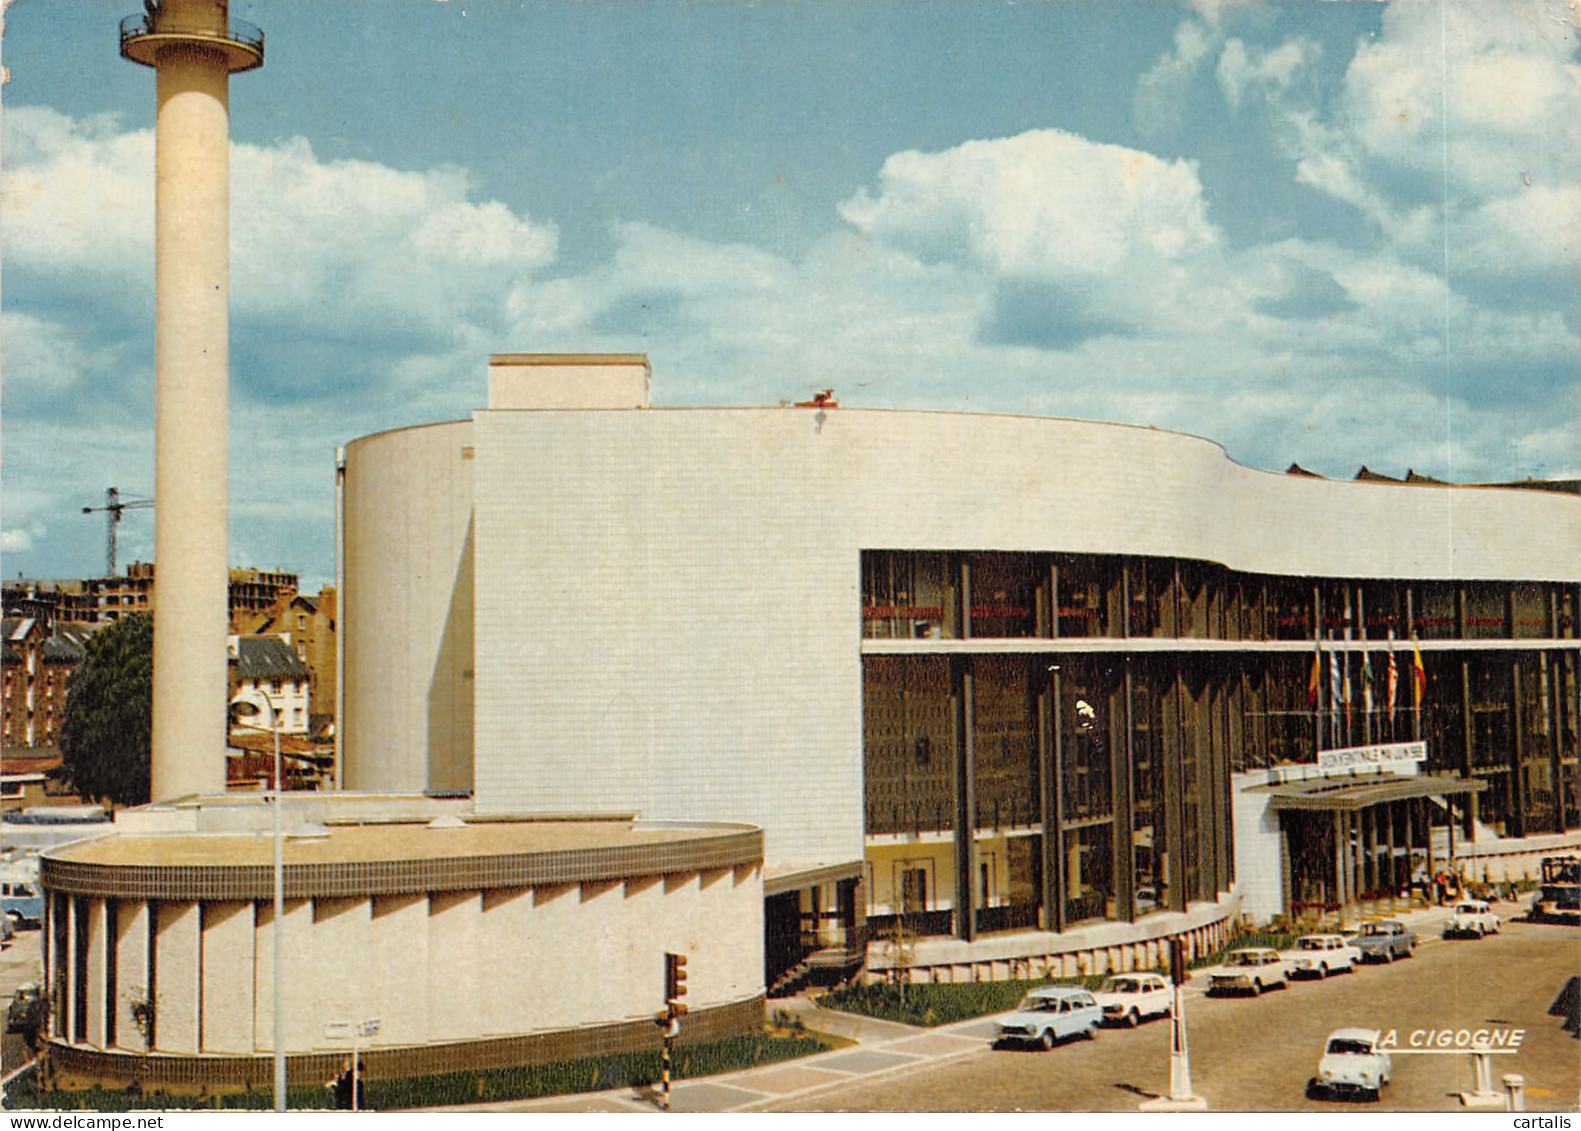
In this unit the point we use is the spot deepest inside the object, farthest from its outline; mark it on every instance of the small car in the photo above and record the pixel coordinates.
(1472, 918)
(1251, 970)
(1049, 1014)
(1352, 1064)
(1318, 956)
(1385, 941)
(1127, 999)
(22, 1007)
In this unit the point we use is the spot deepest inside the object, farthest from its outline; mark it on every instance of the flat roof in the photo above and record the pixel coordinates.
(334, 843)
(353, 859)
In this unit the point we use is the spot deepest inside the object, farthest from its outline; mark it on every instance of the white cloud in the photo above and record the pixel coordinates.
(1045, 204)
(1241, 69)
(332, 243)
(1160, 90)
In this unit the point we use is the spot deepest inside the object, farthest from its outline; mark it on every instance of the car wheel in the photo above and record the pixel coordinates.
(1133, 1019)
(1322, 970)
(1046, 1041)
(1257, 987)
(1092, 1032)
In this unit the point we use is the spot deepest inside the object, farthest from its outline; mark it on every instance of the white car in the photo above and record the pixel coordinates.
(1127, 999)
(1250, 970)
(1352, 1064)
(1472, 919)
(1049, 1014)
(1318, 956)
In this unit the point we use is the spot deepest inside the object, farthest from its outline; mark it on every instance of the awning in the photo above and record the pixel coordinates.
(781, 878)
(1349, 794)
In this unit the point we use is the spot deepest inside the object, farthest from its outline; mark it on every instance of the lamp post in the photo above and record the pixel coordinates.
(239, 708)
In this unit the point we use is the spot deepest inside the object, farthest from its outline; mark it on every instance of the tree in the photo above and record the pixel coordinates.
(106, 738)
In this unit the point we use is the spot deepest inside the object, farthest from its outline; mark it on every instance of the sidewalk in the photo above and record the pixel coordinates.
(883, 1049)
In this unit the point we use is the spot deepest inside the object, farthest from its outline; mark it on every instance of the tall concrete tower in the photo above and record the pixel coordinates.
(193, 46)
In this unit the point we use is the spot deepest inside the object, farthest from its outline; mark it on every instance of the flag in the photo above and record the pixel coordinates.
(1394, 683)
(1366, 686)
(1333, 696)
(1418, 673)
(1315, 680)
(1346, 692)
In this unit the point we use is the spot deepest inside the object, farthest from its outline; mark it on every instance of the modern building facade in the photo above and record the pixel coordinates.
(471, 942)
(1000, 670)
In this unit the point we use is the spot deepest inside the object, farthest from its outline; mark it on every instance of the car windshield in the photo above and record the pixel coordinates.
(1349, 1046)
(1122, 986)
(1469, 909)
(1033, 1004)
(1243, 958)
(1377, 929)
(1314, 944)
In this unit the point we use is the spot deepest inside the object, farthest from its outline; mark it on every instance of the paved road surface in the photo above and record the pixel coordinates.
(1257, 1054)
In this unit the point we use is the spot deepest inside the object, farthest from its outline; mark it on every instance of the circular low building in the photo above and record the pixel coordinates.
(463, 942)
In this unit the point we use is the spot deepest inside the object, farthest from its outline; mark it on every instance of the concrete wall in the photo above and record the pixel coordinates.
(1258, 867)
(407, 611)
(667, 601)
(452, 966)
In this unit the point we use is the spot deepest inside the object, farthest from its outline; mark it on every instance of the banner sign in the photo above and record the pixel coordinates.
(1389, 755)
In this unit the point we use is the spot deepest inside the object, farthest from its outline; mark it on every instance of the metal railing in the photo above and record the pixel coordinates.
(154, 23)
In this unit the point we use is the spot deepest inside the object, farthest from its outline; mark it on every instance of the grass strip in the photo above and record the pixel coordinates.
(588, 1074)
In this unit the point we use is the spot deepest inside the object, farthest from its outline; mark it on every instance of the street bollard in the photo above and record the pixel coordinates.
(1514, 1092)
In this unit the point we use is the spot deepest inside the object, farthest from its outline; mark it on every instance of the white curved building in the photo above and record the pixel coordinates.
(869, 633)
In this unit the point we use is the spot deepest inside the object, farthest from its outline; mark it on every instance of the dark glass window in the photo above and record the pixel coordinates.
(1087, 585)
(1004, 742)
(1004, 594)
(1487, 612)
(1434, 614)
(908, 750)
(906, 595)
(1289, 609)
(1533, 611)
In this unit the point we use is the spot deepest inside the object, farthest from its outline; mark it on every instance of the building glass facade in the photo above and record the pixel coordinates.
(1024, 766)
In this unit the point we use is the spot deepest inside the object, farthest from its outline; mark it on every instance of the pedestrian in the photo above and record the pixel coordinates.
(341, 1087)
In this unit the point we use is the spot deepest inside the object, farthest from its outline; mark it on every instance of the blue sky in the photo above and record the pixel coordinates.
(1223, 217)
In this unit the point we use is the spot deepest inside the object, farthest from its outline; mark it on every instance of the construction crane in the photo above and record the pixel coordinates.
(113, 506)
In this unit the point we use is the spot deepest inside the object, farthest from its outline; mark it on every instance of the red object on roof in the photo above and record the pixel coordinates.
(824, 399)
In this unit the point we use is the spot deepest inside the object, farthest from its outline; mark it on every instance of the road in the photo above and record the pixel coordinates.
(21, 961)
(1257, 1054)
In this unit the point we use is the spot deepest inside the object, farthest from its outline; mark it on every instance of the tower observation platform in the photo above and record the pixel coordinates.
(145, 35)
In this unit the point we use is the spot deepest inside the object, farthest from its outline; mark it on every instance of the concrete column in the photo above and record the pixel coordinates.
(228, 936)
(131, 969)
(1392, 869)
(95, 988)
(398, 949)
(1341, 893)
(454, 920)
(192, 307)
(178, 987)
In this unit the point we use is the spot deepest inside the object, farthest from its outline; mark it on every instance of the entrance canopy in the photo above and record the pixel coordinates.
(1346, 794)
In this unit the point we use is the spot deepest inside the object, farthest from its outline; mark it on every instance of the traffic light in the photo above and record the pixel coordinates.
(674, 978)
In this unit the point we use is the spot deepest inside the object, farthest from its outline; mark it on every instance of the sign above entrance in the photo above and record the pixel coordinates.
(1388, 756)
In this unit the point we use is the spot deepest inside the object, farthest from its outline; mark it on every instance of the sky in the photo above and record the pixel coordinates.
(1332, 232)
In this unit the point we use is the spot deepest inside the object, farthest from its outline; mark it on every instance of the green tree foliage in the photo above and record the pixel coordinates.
(106, 736)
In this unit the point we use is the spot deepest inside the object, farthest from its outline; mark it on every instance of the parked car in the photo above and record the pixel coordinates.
(1128, 999)
(1249, 970)
(1318, 956)
(1352, 1064)
(21, 903)
(6, 931)
(1471, 919)
(1049, 1014)
(1384, 942)
(24, 1003)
